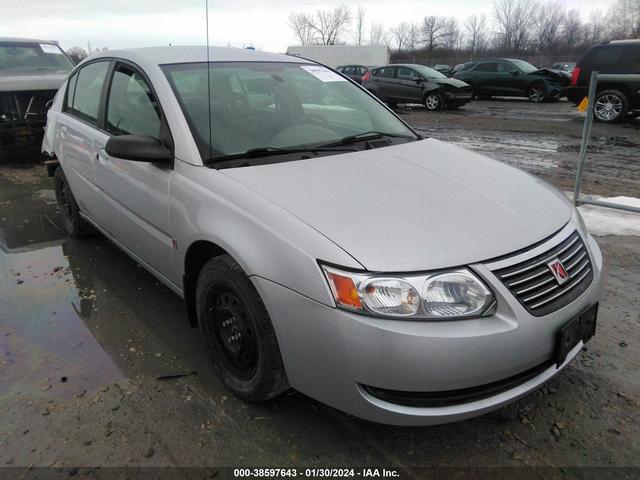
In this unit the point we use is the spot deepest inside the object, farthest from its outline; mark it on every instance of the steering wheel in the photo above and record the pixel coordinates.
(315, 119)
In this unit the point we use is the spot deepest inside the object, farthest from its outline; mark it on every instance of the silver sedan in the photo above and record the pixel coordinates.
(318, 241)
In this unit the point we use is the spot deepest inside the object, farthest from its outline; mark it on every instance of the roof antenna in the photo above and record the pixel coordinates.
(208, 78)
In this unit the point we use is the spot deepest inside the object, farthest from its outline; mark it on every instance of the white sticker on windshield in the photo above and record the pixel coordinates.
(323, 73)
(48, 48)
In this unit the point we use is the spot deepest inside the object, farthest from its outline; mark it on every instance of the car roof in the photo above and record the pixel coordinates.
(407, 65)
(27, 40)
(196, 53)
(628, 40)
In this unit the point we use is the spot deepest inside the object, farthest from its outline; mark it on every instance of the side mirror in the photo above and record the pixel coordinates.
(417, 79)
(138, 148)
(515, 73)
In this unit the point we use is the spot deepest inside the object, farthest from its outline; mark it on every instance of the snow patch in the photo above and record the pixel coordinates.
(609, 221)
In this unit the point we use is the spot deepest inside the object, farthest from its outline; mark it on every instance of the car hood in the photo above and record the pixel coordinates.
(22, 82)
(453, 82)
(416, 206)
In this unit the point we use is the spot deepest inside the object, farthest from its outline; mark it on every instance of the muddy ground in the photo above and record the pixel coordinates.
(98, 366)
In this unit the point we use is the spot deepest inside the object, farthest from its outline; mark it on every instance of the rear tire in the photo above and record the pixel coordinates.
(610, 106)
(238, 332)
(73, 223)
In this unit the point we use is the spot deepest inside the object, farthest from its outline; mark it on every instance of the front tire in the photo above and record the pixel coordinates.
(238, 333)
(433, 101)
(610, 106)
(73, 223)
(537, 93)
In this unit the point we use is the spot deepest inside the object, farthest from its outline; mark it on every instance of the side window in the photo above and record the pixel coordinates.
(83, 96)
(386, 72)
(71, 90)
(504, 67)
(406, 73)
(486, 67)
(361, 71)
(132, 108)
(347, 70)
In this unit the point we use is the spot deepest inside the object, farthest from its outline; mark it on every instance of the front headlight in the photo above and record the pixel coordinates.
(439, 295)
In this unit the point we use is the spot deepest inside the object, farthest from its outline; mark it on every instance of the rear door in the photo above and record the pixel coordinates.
(136, 194)
(484, 78)
(79, 137)
(384, 80)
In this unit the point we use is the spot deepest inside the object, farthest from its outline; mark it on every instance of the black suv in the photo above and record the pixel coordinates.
(618, 90)
(511, 77)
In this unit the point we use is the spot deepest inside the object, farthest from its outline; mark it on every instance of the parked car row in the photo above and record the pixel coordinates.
(617, 95)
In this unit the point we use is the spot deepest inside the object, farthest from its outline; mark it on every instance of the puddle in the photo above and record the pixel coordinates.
(79, 310)
(45, 340)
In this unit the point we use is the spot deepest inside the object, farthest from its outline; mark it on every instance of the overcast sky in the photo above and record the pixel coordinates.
(263, 24)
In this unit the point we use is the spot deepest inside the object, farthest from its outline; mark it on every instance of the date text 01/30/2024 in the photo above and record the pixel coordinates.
(315, 473)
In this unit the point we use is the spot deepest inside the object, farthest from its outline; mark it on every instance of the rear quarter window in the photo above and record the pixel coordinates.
(83, 94)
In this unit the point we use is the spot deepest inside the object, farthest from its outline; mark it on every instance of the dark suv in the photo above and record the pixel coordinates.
(511, 77)
(618, 91)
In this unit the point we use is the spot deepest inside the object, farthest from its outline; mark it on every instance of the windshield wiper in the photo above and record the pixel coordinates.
(364, 136)
(270, 151)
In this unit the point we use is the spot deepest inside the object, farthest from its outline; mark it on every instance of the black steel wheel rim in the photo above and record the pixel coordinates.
(230, 328)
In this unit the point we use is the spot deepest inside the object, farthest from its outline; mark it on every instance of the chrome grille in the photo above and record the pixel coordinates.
(535, 287)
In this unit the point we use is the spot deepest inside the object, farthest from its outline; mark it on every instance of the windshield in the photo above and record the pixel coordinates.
(429, 72)
(274, 105)
(33, 57)
(524, 67)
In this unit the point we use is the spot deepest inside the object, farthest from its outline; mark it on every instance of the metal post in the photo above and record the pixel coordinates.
(586, 134)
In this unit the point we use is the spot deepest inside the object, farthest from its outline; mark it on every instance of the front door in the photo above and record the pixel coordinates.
(136, 194)
(409, 85)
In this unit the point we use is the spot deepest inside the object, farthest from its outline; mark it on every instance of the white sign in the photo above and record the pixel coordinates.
(48, 48)
(323, 73)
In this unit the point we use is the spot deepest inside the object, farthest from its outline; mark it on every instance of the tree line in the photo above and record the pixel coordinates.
(510, 27)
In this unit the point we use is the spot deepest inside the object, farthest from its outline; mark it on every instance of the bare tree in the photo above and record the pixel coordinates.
(377, 35)
(300, 23)
(476, 28)
(624, 19)
(572, 29)
(514, 19)
(77, 54)
(401, 33)
(433, 31)
(324, 27)
(413, 38)
(549, 21)
(330, 24)
(360, 14)
(451, 34)
(596, 26)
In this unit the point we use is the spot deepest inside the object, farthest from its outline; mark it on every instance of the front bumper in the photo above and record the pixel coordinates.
(331, 354)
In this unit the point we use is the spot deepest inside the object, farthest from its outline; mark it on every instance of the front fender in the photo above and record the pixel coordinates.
(266, 240)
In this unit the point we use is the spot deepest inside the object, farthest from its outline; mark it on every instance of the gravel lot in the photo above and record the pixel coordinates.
(98, 366)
